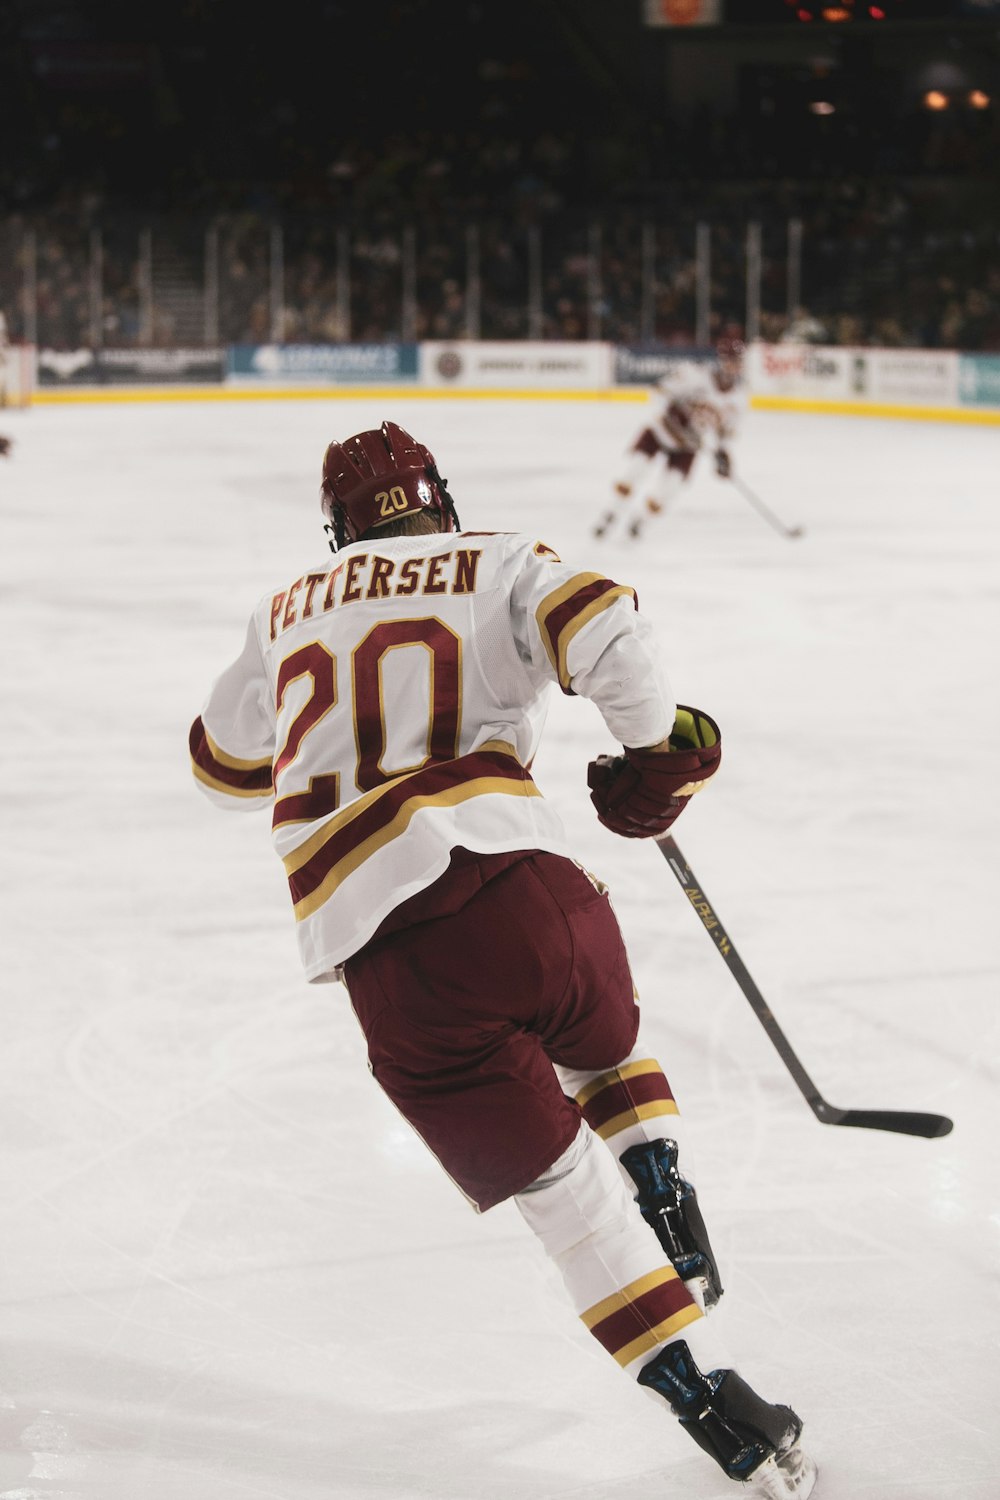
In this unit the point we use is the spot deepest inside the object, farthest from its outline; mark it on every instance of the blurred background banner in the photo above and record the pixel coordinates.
(979, 379)
(914, 377)
(639, 364)
(131, 366)
(517, 365)
(323, 362)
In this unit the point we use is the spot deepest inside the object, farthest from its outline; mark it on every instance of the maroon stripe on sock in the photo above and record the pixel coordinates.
(624, 1095)
(648, 1311)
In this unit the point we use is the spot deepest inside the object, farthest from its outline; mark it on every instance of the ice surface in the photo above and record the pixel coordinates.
(230, 1271)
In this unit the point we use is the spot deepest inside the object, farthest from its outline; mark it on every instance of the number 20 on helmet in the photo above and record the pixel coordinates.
(376, 477)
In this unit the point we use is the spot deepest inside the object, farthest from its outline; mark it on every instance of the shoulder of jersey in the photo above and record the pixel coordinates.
(541, 549)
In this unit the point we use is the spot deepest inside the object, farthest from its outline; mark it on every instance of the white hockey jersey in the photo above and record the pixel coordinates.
(691, 408)
(387, 706)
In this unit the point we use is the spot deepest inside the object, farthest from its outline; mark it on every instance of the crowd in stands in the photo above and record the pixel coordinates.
(872, 271)
(488, 214)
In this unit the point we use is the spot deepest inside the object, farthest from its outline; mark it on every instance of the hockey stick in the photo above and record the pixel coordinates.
(905, 1122)
(758, 504)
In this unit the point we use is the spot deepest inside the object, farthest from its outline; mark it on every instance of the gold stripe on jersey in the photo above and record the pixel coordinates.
(564, 612)
(231, 760)
(500, 747)
(483, 786)
(225, 773)
(303, 853)
(320, 865)
(224, 786)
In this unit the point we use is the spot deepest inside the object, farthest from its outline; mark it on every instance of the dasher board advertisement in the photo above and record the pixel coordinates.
(323, 364)
(517, 366)
(861, 376)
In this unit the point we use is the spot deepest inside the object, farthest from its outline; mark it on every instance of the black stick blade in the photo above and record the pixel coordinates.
(902, 1121)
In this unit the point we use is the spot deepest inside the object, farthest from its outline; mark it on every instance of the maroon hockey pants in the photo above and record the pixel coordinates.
(465, 1014)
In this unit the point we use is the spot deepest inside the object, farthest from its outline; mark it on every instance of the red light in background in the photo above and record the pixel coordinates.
(876, 13)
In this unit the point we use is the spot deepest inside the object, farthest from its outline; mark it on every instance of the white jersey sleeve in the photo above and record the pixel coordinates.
(238, 715)
(585, 633)
(389, 705)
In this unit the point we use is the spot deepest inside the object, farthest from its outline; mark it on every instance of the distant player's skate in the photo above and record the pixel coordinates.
(640, 517)
(624, 492)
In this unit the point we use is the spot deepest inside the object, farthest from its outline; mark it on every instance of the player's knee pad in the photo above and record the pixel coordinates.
(580, 1195)
(723, 1414)
(669, 1205)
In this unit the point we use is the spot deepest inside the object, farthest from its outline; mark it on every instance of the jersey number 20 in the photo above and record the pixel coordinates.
(368, 707)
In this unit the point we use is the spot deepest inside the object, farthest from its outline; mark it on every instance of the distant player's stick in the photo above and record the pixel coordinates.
(903, 1121)
(758, 505)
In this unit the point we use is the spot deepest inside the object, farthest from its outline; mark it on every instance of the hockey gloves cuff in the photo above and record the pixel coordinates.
(641, 793)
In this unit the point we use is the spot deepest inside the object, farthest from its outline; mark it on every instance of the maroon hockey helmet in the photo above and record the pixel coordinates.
(376, 477)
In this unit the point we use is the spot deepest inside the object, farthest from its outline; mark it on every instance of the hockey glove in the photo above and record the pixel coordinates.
(641, 793)
(723, 464)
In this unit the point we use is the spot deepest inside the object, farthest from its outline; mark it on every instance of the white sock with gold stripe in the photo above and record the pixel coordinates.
(618, 1278)
(629, 1105)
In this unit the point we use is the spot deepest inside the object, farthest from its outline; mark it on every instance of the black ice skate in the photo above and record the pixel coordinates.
(754, 1442)
(670, 1207)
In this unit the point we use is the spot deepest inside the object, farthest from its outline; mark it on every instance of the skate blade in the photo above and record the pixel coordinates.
(703, 1292)
(790, 1477)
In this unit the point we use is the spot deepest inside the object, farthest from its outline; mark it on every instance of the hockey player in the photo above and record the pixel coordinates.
(387, 706)
(696, 405)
